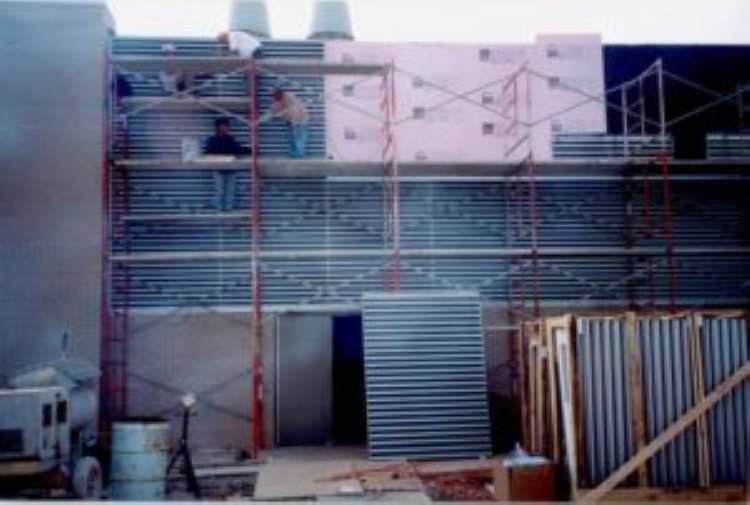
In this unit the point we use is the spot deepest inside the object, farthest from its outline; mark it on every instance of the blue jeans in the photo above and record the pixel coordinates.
(298, 134)
(224, 183)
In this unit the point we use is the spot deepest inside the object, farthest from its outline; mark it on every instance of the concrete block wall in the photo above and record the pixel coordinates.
(52, 58)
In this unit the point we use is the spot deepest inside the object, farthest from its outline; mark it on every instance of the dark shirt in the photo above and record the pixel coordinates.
(122, 86)
(225, 144)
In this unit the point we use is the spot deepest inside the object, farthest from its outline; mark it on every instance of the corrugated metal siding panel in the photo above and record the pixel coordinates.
(668, 391)
(315, 214)
(605, 396)
(725, 347)
(721, 146)
(604, 146)
(425, 376)
(155, 133)
(305, 213)
(703, 213)
(196, 284)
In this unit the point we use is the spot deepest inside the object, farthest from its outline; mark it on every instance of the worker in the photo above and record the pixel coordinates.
(178, 82)
(240, 44)
(287, 106)
(224, 143)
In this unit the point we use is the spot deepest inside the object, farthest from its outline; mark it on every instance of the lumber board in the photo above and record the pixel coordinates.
(636, 391)
(709, 495)
(696, 361)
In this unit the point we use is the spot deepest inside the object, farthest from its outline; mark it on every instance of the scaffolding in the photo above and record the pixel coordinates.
(116, 285)
(521, 177)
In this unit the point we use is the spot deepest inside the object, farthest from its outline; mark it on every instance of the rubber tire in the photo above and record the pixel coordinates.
(87, 479)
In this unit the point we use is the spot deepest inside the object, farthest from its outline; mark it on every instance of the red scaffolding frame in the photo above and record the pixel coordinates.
(391, 183)
(523, 266)
(113, 316)
(648, 108)
(257, 310)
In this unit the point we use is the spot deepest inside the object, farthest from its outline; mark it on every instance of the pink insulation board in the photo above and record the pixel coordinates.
(460, 102)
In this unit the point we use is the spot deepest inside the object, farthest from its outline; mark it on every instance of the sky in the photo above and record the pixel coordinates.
(618, 21)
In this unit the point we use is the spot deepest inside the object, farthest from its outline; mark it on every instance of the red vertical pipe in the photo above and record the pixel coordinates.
(521, 282)
(647, 233)
(257, 362)
(105, 416)
(532, 201)
(668, 232)
(391, 207)
(395, 183)
(534, 244)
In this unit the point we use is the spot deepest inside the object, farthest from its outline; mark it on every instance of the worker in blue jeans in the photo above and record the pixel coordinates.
(224, 143)
(288, 107)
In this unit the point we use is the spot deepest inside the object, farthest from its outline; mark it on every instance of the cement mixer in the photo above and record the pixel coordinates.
(48, 428)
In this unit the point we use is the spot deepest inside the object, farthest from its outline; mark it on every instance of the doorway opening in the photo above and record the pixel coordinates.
(349, 406)
(320, 383)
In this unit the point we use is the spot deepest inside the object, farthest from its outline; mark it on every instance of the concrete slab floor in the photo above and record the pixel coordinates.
(304, 474)
(300, 473)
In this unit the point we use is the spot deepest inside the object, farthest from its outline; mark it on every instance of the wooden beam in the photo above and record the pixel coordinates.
(536, 389)
(523, 385)
(710, 495)
(554, 431)
(563, 338)
(696, 360)
(636, 391)
(674, 430)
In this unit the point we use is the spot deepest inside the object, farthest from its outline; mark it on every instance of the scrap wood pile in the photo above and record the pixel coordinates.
(470, 480)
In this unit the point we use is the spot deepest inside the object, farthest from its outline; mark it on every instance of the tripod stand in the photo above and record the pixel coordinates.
(183, 451)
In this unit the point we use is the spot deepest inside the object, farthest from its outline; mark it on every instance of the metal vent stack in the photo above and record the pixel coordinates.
(250, 16)
(331, 21)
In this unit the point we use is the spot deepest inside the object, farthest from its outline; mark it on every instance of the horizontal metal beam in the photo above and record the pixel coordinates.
(184, 103)
(187, 217)
(466, 253)
(594, 306)
(193, 64)
(318, 67)
(360, 171)
(227, 64)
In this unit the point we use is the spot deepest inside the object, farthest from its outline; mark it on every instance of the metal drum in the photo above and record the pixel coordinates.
(140, 449)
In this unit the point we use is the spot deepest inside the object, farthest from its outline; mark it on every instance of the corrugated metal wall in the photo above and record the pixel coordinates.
(425, 376)
(455, 235)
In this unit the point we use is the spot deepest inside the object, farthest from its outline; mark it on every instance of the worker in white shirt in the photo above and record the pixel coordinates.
(288, 107)
(177, 82)
(240, 44)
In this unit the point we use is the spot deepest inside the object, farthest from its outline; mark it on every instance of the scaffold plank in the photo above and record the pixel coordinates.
(228, 64)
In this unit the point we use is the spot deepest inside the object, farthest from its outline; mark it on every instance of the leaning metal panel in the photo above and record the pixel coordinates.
(667, 380)
(667, 372)
(605, 396)
(425, 375)
(725, 347)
